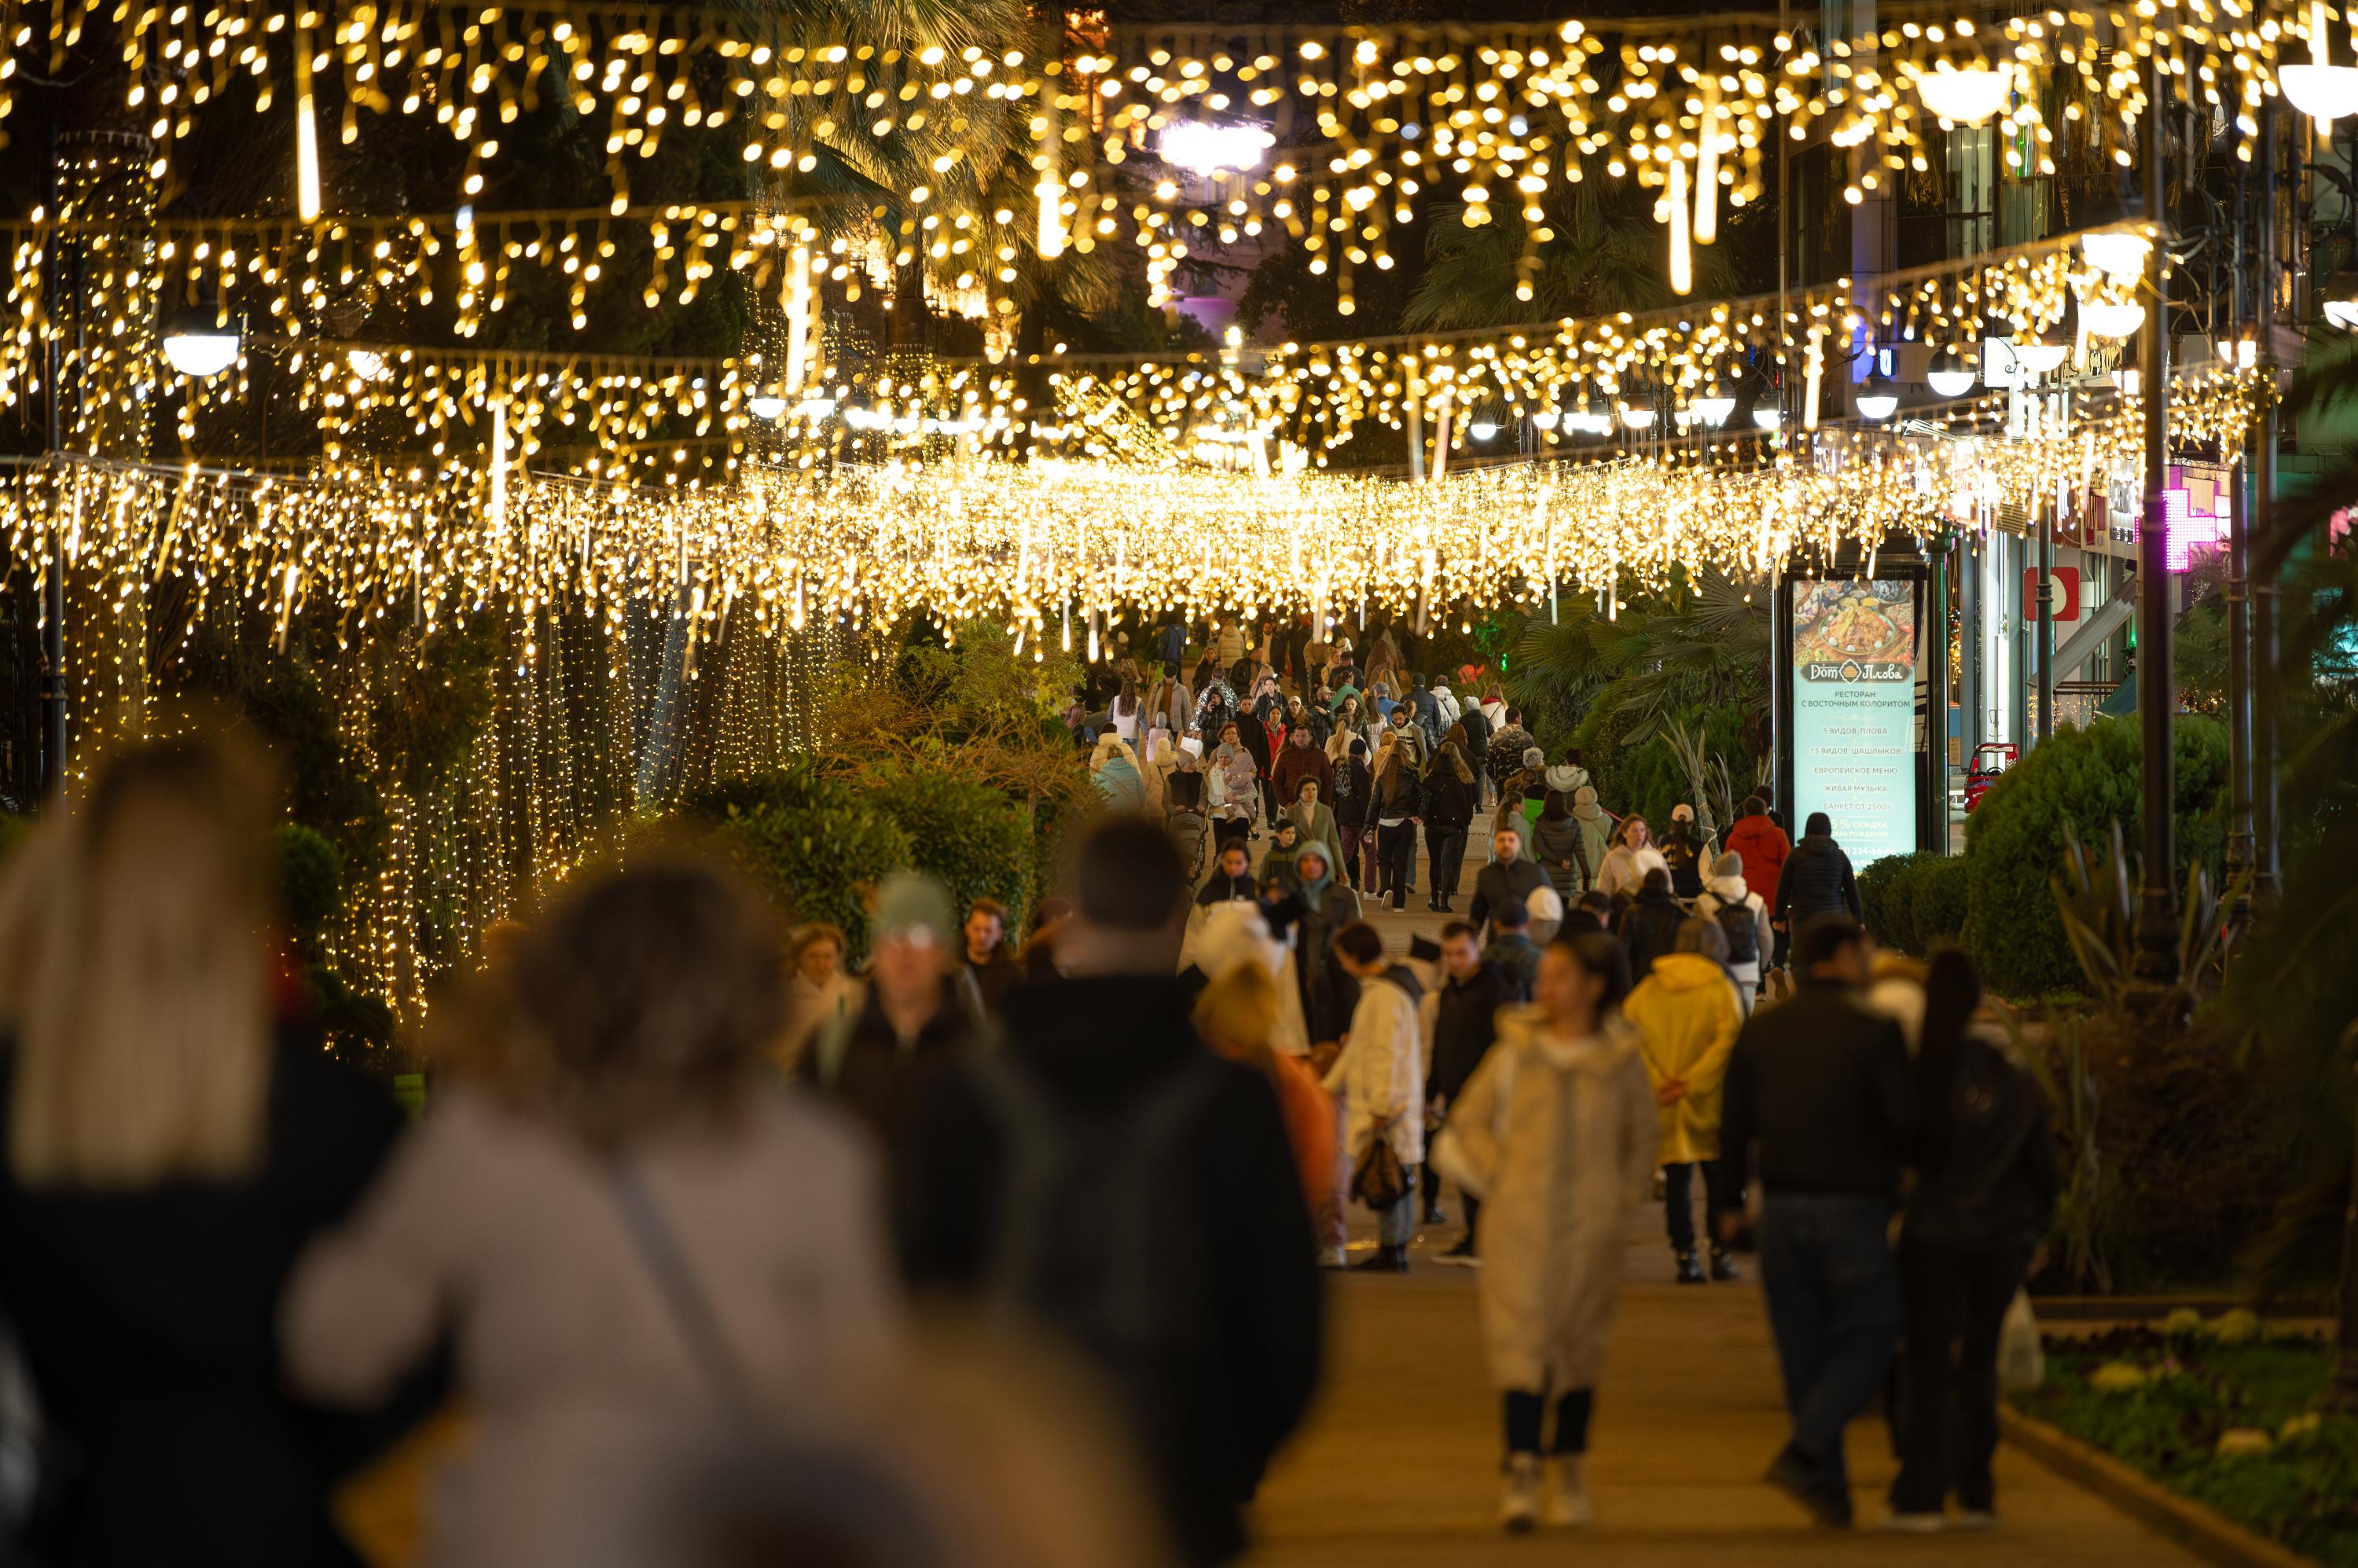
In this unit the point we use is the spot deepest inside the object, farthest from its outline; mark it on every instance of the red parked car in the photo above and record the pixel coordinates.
(1991, 758)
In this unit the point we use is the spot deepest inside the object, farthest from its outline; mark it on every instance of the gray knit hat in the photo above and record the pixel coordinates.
(1728, 865)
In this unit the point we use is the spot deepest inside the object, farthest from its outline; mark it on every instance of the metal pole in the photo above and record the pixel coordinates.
(2043, 651)
(2239, 587)
(2157, 925)
(2262, 588)
(1936, 615)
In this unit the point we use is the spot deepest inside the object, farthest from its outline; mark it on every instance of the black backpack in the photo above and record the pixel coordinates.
(1090, 1220)
(1743, 934)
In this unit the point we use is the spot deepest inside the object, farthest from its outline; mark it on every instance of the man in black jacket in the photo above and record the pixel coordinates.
(1130, 1193)
(1825, 1087)
(1509, 875)
(1649, 926)
(1817, 879)
(1460, 1017)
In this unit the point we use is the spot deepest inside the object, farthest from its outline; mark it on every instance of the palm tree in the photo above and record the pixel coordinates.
(1702, 644)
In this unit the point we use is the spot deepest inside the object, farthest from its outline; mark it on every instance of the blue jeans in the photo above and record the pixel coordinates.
(1834, 1307)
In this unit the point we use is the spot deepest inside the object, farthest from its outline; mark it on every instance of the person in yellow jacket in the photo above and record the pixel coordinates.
(1687, 1014)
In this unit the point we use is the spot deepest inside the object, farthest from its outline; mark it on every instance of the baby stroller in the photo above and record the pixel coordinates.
(1189, 827)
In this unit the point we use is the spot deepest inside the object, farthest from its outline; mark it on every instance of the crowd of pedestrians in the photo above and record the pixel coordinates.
(683, 1175)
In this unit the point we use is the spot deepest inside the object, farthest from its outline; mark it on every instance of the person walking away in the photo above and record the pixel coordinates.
(1115, 768)
(1355, 834)
(1985, 1195)
(1743, 919)
(1124, 710)
(820, 991)
(552, 1222)
(1477, 725)
(1596, 827)
(987, 962)
(1300, 758)
(1823, 1085)
(1228, 642)
(1134, 1195)
(1509, 875)
(1560, 847)
(1629, 856)
(1816, 877)
(1449, 789)
(917, 1015)
(1380, 1078)
(1555, 1134)
(1755, 836)
(1236, 1012)
(1398, 798)
(1686, 853)
(1449, 711)
(1510, 948)
(174, 1135)
(1649, 926)
(1509, 742)
(1687, 1017)
(1458, 1019)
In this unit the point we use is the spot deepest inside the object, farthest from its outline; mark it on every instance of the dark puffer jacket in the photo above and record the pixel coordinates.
(1817, 880)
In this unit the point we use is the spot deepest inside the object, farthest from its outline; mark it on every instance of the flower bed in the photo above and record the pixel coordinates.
(2224, 1412)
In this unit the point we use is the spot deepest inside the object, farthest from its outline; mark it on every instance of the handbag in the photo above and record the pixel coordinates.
(1379, 1180)
(2021, 1360)
(691, 1311)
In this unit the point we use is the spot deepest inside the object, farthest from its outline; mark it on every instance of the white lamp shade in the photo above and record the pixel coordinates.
(1635, 417)
(1482, 429)
(1967, 97)
(2040, 358)
(1876, 405)
(766, 405)
(1766, 418)
(2112, 318)
(1715, 409)
(202, 354)
(2321, 91)
(1545, 419)
(2116, 252)
(2342, 313)
(1956, 381)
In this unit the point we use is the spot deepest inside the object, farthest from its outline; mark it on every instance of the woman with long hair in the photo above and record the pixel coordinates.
(602, 1236)
(1556, 1135)
(173, 1141)
(1399, 799)
(1629, 856)
(1124, 709)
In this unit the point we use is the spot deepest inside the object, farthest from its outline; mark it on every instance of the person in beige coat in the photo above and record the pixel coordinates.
(1380, 1076)
(1688, 1013)
(635, 1232)
(1555, 1134)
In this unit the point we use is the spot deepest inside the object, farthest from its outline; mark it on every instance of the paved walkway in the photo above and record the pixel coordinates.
(1398, 1466)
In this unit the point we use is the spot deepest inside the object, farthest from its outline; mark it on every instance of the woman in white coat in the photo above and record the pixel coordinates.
(1555, 1133)
(1380, 1076)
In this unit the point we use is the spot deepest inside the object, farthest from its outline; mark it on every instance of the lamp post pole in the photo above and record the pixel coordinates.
(2157, 923)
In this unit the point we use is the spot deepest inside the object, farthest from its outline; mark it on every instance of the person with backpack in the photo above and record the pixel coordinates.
(1380, 1078)
(1555, 1134)
(1743, 919)
(1561, 847)
(1687, 1016)
(1986, 1190)
(1687, 852)
(1355, 830)
(1134, 1196)
(1816, 877)
(1508, 744)
(1510, 948)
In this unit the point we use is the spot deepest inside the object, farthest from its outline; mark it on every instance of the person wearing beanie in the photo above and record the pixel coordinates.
(1595, 823)
(918, 1014)
(1688, 851)
(1742, 916)
(1817, 878)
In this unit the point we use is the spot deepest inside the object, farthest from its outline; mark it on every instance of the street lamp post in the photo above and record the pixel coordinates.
(2157, 923)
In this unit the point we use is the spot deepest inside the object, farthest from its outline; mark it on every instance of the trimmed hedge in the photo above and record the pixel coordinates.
(2092, 778)
(1914, 901)
(970, 835)
(815, 845)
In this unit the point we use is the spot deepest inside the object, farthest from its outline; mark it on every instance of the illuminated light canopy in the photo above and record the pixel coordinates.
(197, 343)
(1968, 97)
(1205, 148)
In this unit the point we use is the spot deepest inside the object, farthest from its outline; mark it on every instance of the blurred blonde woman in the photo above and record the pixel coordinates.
(1242, 1015)
(648, 1233)
(170, 1147)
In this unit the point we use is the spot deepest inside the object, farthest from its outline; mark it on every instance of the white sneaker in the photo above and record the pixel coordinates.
(1567, 1500)
(1916, 1524)
(1519, 1502)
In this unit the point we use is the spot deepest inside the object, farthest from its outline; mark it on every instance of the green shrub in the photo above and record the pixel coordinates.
(2091, 778)
(1935, 888)
(1884, 897)
(814, 845)
(312, 873)
(972, 837)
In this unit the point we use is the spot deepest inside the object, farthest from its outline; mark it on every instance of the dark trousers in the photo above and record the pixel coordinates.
(1678, 1207)
(1835, 1309)
(1396, 848)
(1446, 848)
(1956, 1311)
(1525, 1412)
(1430, 1181)
(1226, 830)
(1359, 845)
